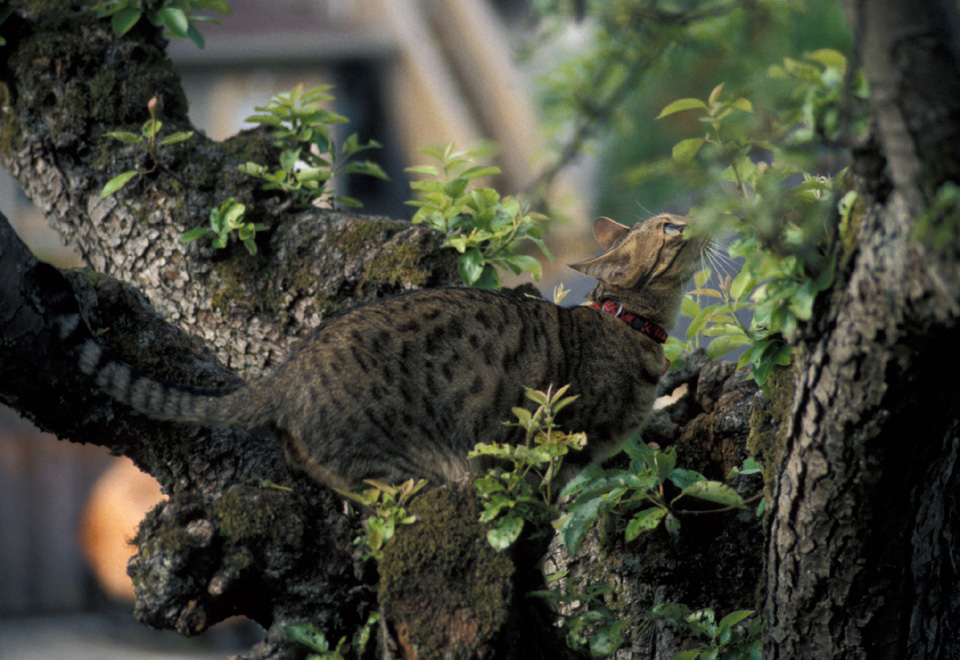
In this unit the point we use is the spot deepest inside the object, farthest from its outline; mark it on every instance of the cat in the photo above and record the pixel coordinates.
(404, 387)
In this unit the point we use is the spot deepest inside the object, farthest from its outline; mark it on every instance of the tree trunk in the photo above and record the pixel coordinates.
(862, 537)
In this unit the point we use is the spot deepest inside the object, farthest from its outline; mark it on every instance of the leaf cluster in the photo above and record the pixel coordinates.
(589, 618)
(320, 647)
(779, 213)
(310, 158)
(519, 490)
(483, 227)
(727, 639)
(147, 137)
(648, 492)
(386, 506)
(179, 17)
(224, 221)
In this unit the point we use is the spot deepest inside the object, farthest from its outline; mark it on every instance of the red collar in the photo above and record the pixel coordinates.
(635, 321)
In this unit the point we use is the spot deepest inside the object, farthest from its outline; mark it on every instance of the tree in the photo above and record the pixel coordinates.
(861, 524)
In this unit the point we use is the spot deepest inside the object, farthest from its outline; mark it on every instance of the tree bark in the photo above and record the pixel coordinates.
(241, 532)
(862, 532)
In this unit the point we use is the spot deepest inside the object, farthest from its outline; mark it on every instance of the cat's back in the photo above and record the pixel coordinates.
(427, 372)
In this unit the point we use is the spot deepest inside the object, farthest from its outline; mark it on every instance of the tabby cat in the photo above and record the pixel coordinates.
(406, 386)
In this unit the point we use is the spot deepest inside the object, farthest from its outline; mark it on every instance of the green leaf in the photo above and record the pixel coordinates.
(222, 7)
(828, 58)
(522, 263)
(125, 19)
(672, 524)
(350, 201)
(116, 183)
(194, 35)
(680, 105)
(724, 344)
(479, 171)
(429, 170)
(367, 167)
(608, 639)
(687, 655)
(179, 136)
(715, 491)
(253, 169)
(288, 159)
(685, 150)
(125, 136)
(470, 264)
(194, 234)
(489, 279)
(732, 619)
(742, 283)
(682, 478)
(576, 526)
(644, 521)
(175, 19)
(505, 533)
(700, 278)
(698, 322)
(689, 307)
(234, 212)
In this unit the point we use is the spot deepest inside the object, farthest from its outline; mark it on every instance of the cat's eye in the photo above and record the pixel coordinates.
(672, 230)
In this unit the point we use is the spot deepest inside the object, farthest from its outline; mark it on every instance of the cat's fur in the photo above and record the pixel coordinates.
(406, 386)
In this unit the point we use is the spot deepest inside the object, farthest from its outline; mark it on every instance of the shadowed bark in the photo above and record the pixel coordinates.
(863, 532)
(862, 545)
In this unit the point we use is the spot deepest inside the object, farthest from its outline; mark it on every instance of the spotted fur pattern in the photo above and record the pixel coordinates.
(406, 386)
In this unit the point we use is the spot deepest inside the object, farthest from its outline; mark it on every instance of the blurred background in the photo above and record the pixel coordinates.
(409, 74)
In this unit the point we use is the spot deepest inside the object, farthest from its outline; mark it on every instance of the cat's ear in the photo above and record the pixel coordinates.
(630, 261)
(608, 232)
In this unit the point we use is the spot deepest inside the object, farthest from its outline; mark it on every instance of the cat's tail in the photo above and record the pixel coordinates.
(225, 406)
(165, 401)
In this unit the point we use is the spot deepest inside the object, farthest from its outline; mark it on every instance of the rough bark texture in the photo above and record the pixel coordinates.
(862, 551)
(862, 538)
(229, 541)
(71, 81)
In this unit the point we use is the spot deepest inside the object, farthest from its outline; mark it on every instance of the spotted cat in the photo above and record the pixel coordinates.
(406, 386)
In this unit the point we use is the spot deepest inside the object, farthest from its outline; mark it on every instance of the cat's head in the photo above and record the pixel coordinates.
(655, 252)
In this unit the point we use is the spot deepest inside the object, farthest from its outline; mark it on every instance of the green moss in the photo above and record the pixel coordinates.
(103, 90)
(440, 577)
(850, 229)
(768, 424)
(247, 512)
(401, 264)
(239, 278)
(357, 236)
(249, 146)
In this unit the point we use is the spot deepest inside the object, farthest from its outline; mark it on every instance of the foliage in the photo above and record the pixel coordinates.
(939, 224)
(148, 138)
(727, 639)
(224, 220)
(588, 618)
(522, 491)
(386, 504)
(592, 87)
(760, 191)
(642, 492)
(310, 158)
(178, 16)
(483, 227)
(316, 640)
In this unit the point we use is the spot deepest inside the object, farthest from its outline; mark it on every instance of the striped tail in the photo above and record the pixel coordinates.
(159, 400)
